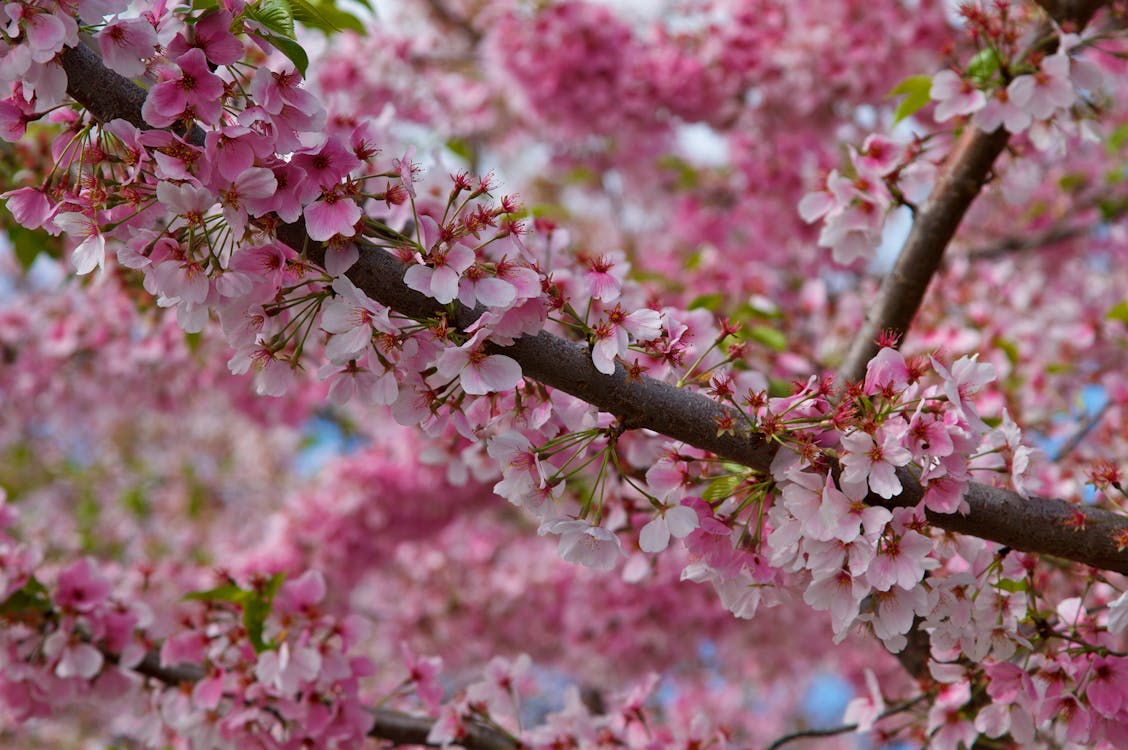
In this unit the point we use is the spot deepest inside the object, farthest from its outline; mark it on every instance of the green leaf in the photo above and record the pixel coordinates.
(779, 388)
(1117, 139)
(983, 66)
(325, 16)
(256, 605)
(1119, 312)
(32, 598)
(1012, 586)
(290, 49)
(769, 337)
(915, 90)
(721, 487)
(28, 244)
(1009, 348)
(226, 593)
(1073, 182)
(710, 302)
(274, 15)
(255, 614)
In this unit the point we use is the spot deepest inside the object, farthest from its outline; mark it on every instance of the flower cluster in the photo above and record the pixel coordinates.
(263, 662)
(853, 210)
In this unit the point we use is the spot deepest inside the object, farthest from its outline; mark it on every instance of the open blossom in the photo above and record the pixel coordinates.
(678, 521)
(212, 35)
(30, 206)
(852, 212)
(1042, 93)
(864, 710)
(521, 470)
(604, 275)
(91, 251)
(192, 91)
(478, 372)
(351, 317)
(126, 44)
(874, 459)
(611, 335)
(580, 542)
(75, 658)
(286, 668)
(967, 377)
(334, 213)
(439, 277)
(956, 96)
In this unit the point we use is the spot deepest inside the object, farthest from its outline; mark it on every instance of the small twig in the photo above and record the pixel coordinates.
(1088, 424)
(1044, 241)
(831, 732)
(395, 726)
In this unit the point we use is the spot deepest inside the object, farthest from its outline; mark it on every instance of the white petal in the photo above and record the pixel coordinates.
(681, 521)
(655, 536)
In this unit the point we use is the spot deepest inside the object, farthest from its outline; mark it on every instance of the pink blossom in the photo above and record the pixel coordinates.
(956, 96)
(887, 371)
(1107, 691)
(211, 34)
(864, 710)
(1043, 93)
(47, 83)
(30, 207)
(90, 253)
(677, 521)
(839, 592)
(521, 469)
(47, 33)
(126, 44)
(874, 460)
(1000, 110)
(604, 276)
(878, 156)
(582, 543)
(423, 672)
(301, 594)
(967, 377)
(440, 277)
(286, 668)
(239, 196)
(325, 168)
(208, 692)
(352, 318)
(611, 335)
(192, 92)
(479, 373)
(947, 725)
(332, 214)
(74, 657)
(274, 91)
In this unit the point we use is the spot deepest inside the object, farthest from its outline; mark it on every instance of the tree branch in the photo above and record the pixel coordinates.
(1054, 527)
(968, 170)
(395, 726)
(903, 289)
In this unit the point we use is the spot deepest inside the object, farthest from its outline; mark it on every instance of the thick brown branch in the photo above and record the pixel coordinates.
(1053, 527)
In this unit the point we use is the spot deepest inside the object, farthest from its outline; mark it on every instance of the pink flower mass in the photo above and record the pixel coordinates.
(563, 375)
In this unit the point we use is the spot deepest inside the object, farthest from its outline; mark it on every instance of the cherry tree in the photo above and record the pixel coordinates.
(678, 358)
